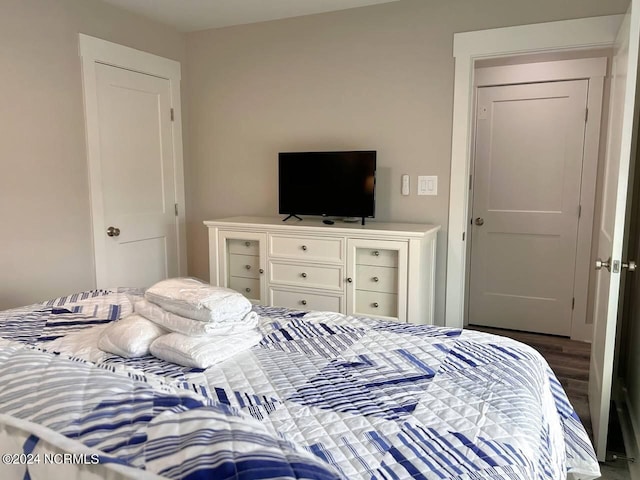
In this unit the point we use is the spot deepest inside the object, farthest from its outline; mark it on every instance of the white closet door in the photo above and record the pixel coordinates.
(528, 167)
(136, 168)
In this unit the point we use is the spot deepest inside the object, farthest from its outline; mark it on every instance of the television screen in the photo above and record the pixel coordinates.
(340, 184)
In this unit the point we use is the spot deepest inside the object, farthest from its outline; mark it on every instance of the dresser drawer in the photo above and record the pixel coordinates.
(307, 248)
(249, 287)
(306, 301)
(377, 279)
(243, 247)
(376, 303)
(377, 256)
(244, 265)
(307, 275)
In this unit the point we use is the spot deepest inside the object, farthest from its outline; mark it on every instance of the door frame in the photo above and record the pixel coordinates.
(587, 33)
(594, 71)
(95, 50)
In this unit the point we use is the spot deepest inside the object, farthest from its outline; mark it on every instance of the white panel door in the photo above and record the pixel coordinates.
(528, 167)
(620, 150)
(136, 168)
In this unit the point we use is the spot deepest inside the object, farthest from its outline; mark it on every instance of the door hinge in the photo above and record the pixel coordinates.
(586, 115)
(175, 208)
(579, 211)
(573, 303)
(463, 236)
(470, 181)
(172, 117)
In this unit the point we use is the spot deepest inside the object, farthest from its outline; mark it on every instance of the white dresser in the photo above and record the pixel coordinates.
(382, 270)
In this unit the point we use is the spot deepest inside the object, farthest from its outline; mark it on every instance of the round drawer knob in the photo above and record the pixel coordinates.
(247, 289)
(261, 270)
(375, 305)
(247, 244)
(375, 279)
(248, 267)
(303, 302)
(303, 275)
(349, 280)
(375, 253)
(304, 247)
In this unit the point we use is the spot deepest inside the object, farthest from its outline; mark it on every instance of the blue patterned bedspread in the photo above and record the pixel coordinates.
(322, 396)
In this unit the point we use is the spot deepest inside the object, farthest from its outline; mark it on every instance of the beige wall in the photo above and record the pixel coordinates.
(45, 232)
(377, 77)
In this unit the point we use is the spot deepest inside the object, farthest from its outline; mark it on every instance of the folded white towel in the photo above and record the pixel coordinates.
(202, 352)
(194, 328)
(130, 337)
(191, 298)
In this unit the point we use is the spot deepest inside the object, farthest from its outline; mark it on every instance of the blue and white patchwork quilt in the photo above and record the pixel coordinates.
(323, 396)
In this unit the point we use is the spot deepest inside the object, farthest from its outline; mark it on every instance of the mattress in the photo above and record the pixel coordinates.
(322, 396)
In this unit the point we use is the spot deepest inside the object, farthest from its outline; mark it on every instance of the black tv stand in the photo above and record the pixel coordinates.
(362, 220)
(292, 215)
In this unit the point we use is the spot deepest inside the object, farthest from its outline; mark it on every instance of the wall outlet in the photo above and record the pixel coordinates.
(427, 185)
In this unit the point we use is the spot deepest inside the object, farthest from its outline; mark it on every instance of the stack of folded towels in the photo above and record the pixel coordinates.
(184, 321)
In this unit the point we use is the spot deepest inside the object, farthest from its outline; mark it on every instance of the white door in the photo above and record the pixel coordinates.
(528, 167)
(137, 175)
(620, 150)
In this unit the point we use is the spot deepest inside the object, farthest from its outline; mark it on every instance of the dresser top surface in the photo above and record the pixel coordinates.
(276, 223)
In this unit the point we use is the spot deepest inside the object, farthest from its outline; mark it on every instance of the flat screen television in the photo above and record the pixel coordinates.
(336, 184)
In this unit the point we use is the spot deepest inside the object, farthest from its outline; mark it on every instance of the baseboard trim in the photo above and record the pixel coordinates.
(630, 426)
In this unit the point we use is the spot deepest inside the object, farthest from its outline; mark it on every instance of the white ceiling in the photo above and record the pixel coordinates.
(191, 15)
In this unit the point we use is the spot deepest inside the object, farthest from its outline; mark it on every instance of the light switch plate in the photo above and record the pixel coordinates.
(405, 185)
(427, 185)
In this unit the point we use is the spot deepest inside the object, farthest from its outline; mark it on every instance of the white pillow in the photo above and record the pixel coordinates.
(130, 337)
(191, 298)
(194, 328)
(202, 352)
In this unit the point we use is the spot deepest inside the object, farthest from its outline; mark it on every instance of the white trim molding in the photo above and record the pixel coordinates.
(596, 32)
(541, 72)
(102, 51)
(97, 51)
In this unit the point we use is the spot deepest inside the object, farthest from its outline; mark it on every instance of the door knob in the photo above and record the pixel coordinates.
(631, 266)
(479, 221)
(113, 231)
(606, 264)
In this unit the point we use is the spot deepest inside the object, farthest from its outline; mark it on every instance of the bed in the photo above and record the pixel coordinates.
(322, 396)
